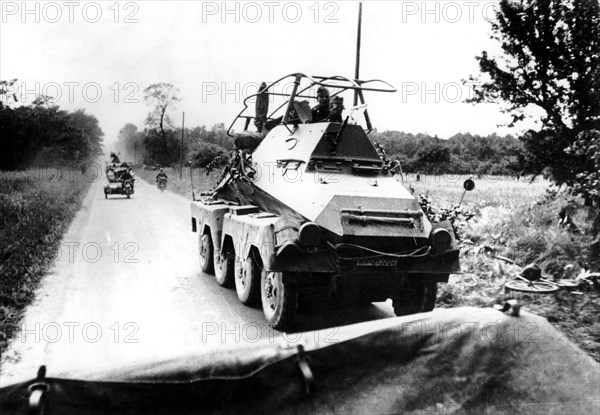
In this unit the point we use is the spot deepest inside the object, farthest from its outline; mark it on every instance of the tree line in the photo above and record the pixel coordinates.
(152, 148)
(160, 143)
(462, 153)
(42, 134)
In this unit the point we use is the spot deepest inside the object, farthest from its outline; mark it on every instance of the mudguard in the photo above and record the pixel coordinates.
(248, 227)
(208, 215)
(463, 360)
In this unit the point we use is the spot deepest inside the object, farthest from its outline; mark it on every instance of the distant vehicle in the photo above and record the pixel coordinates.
(316, 208)
(120, 180)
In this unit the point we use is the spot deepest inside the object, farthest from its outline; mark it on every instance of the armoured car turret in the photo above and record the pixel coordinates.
(309, 204)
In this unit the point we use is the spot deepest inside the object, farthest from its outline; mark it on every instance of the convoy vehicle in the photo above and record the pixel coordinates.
(116, 184)
(317, 208)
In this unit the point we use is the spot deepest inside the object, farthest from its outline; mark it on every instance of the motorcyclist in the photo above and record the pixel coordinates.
(126, 175)
(161, 175)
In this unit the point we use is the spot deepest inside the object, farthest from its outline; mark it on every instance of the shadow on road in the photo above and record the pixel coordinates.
(316, 314)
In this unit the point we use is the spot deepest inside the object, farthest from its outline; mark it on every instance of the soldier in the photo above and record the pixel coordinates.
(161, 174)
(336, 106)
(321, 111)
(126, 175)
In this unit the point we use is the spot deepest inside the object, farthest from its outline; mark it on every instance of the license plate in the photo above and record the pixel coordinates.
(376, 262)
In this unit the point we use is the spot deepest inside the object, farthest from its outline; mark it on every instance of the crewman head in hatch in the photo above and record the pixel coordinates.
(321, 111)
(336, 106)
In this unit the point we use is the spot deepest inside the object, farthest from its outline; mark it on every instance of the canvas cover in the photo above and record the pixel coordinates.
(449, 361)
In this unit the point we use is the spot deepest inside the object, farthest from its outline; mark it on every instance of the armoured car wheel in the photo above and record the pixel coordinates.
(206, 253)
(247, 280)
(224, 263)
(279, 299)
(416, 297)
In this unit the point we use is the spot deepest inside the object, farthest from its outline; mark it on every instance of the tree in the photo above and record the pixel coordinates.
(161, 96)
(131, 142)
(5, 92)
(202, 153)
(433, 158)
(436, 153)
(46, 135)
(87, 141)
(587, 146)
(551, 61)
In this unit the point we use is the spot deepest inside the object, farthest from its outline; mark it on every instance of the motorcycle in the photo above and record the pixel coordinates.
(119, 187)
(128, 187)
(162, 183)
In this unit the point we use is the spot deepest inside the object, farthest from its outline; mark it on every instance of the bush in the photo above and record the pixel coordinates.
(203, 153)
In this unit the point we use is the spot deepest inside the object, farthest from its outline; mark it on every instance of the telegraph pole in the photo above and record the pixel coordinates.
(181, 148)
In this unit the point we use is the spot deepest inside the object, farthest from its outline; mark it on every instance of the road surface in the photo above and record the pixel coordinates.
(127, 286)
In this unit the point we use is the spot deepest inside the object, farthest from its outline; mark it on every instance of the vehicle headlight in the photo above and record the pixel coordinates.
(440, 239)
(309, 234)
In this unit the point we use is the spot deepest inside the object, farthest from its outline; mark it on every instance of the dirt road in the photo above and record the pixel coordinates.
(127, 286)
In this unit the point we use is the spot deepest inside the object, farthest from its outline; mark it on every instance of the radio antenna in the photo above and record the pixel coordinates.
(357, 66)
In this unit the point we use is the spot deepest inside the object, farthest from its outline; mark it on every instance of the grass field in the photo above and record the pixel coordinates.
(36, 208)
(519, 220)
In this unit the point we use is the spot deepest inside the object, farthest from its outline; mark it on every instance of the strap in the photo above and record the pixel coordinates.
(305, 372)
(37, 394)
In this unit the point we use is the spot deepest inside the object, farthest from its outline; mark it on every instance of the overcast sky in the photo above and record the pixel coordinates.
(101, 55)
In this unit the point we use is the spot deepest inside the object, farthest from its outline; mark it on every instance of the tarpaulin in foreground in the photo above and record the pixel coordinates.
(449, 361)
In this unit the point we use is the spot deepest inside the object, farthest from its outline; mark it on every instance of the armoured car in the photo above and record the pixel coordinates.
(309, 205)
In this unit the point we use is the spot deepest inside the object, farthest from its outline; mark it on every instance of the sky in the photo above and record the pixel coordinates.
(101, 55)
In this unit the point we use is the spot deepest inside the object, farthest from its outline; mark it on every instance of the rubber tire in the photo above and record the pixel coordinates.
(205, 246)
(533, 287)
(247, 280)
(224, 269)
(105, 195)
(417, 297)
(281, 316)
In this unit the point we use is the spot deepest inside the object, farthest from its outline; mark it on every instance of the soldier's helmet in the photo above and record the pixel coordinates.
(323, 95)
(337, 103)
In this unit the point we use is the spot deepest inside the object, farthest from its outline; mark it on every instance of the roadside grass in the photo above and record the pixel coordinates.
(36, 208)
(518, 220)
